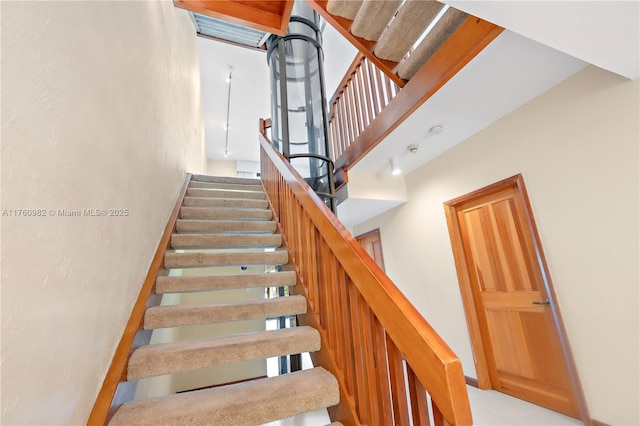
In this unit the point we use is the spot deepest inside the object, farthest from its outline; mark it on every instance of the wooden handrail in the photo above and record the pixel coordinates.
(104, 407)
(367, 325)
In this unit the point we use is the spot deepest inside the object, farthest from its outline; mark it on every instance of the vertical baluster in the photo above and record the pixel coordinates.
(334, 139)
(313, 265)
(387, 81)
(357, 96)
(337, 318)
(347, 115)
(438, 418)
(364, 78)
(419, 404)
(398, 388)
(348, 362)
(348, 138)
(371, 70)
(380, 80)
(382, 371)
(325, 311)
(366, 331)
(362, 392)
(353, 110)
(342, 143)
(313, 284)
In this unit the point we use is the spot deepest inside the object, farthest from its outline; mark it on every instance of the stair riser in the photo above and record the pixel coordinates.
(168, 358)
(213, 193)
(194, 260)
(222, 213)
(222, 202)
(203, 241)
(181, 315)
(229, 186)
(192, 284)
(219, 226)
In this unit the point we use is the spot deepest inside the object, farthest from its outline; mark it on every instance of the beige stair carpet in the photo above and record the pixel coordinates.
(224, 213)
(225, 202)
(449, 22)
(345, 8)
(249, 403)
(230, 186)
(192, 260)
(186, 225)
(186, 284)
(226, 222)
(167, 358)
(193, 241)
(180, 315)
(412, 19)
(373, 18)
(214, 193)
(223, 179)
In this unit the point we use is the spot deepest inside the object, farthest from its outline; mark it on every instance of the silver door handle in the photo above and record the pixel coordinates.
(542, 302)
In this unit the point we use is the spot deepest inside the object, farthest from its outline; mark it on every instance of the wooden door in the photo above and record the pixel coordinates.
(520, 341)
(372, 245)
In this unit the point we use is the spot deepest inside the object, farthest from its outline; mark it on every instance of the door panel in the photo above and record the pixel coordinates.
(372, 245)
(520, 340)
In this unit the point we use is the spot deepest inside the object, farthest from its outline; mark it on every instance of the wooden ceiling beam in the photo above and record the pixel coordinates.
(270, 16)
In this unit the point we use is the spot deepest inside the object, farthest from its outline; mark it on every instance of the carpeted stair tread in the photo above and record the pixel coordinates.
(224, 213)
(185, 284)
(249, 403)
(449, 22)
(222, 193)
(195, 241)
(225, 202)
(213, 313)
(224, 226)
(373, 17)
(191, 260)
(345, 8)
(229, 186)
(224, 179)
(412, 19)
(167, 358)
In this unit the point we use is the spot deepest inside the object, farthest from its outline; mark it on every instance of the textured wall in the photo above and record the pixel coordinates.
(100, 110)
(577, 148)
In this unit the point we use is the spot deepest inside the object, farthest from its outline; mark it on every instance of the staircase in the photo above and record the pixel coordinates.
(227, 222)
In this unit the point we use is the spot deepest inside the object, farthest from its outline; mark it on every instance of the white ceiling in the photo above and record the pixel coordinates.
(545, 42)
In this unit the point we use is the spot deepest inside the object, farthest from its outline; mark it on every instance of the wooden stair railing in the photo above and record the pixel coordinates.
(363, 93)
(372, 99)
(384, 354)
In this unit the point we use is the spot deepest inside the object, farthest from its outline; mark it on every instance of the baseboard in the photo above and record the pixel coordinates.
(471, 381)
(597, 423)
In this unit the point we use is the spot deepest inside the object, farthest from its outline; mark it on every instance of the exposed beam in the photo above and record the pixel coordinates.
(271, 16)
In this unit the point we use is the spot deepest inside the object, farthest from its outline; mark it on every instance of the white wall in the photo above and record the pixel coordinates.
(100, 110)
(577, 147)
(223, 168)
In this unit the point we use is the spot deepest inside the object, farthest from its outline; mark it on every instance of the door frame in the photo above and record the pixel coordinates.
(470, 307)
